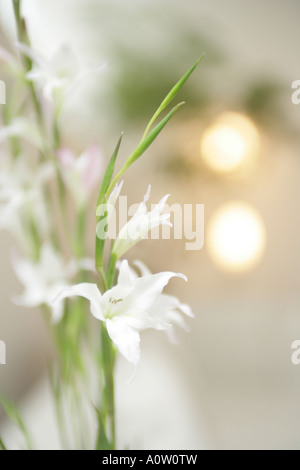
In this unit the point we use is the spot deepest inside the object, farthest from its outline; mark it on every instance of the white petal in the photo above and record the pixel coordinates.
(175, 318)
(50, 86)
(140, 224)
(125, 338)
(148, 288)
(161, 205)
(186, 309)
(51, 262)
(30, 53)
(115, 193)
(22, 127)
(89, 72)
(143, 269)
(167, 311)
(23, 269)
(171, 335)
(35, 75)
(140, 320)
(86, 290)
(57, 309)
(109, 205)
(125, 276)
(168, 302)
(57, 312)
(30, 298)
(147, 195)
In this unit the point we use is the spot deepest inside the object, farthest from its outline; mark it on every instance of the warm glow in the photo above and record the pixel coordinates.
(231, 143)
(236, 237)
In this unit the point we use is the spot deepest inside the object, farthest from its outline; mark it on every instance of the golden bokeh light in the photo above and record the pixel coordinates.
(236, 237)
(230, 144)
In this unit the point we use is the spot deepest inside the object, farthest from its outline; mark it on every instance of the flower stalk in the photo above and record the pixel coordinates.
(108, 390)
(24, 39)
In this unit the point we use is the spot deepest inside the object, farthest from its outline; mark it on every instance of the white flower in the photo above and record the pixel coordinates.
(19, 181)
(133, 305)
(10, 221)
(142, 222)
(169, 307)
(21, 193)
(44, 280)
(81, 174)
(57, 76)
(24, 128)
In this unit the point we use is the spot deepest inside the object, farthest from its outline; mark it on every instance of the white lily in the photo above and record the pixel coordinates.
(57, 76)
(133, 305)
(45, 279)
(81, 174)
(142, 222)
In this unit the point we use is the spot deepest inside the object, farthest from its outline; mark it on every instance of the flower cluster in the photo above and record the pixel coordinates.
(41, 179)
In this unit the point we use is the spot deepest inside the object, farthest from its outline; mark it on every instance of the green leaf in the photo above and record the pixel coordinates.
(2, 445)
(144, 145)
(17, 7)
(14, 415)
(99, 247)
(109, 172)
(171, 95)
(150, 136)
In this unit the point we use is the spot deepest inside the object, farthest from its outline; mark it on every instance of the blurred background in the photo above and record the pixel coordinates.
(230, 383)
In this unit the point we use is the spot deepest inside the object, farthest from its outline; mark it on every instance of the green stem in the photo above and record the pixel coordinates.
(99, 251)
(24, 39)
(108, 396)
(56, 133)
(111, 269)
(99, 256)
(107, 436)
(17, 12)
(35, 238)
